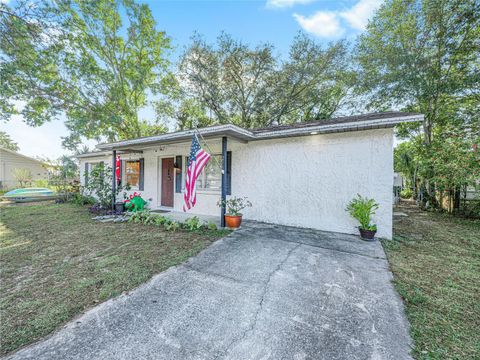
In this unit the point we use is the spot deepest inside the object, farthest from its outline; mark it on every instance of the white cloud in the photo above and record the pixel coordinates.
(358, 15)
(327, 24)
(323, 24)
(286, 3)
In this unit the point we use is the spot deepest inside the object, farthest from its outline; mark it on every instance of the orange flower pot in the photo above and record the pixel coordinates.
(233, 222)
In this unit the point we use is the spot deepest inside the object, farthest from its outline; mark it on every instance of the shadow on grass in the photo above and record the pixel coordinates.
(57, 263)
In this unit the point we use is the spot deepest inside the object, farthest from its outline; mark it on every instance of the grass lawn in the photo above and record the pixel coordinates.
(435, 259)
(56, 263)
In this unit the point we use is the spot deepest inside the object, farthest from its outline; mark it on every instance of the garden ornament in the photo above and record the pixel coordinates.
(135, 202)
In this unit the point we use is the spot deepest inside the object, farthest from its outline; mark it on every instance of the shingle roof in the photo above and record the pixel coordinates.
(341, 124)
(339, 120)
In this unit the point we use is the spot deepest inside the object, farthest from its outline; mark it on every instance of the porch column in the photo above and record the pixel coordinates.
(224, 179)
(114, 180)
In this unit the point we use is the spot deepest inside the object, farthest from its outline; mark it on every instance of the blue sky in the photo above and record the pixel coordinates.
(256, 21)
(253, 21)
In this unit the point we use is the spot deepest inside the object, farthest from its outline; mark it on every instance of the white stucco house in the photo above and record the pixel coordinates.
(301, 175)
(11, 160)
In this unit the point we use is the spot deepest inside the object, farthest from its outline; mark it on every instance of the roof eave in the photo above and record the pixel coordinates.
(247, 135)
(343, 127)
(182, 136)
(92, 154)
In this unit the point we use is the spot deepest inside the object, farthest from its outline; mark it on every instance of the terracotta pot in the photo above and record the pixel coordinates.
(233, 222)
(368, 235)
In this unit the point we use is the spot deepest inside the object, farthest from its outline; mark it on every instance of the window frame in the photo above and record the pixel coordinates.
(202, 189)
(124, 173)
(91, 166)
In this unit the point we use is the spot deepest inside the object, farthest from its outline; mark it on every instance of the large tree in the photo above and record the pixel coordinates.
(94, 61)
(229, 79)
(7, 142)
(251, 87)
(425, 56)
(314, 83)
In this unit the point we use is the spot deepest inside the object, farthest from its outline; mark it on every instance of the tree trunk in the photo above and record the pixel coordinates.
(427, 133)
(414, 185)
(456, 200)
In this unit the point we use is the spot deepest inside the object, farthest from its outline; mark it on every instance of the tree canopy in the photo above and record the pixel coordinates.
(96, 62)
(7, 143)
(425, 56)
(250, 87)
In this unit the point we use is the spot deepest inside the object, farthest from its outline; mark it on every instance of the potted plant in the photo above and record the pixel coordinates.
(233, 217)
(119, 207)
(362, 209)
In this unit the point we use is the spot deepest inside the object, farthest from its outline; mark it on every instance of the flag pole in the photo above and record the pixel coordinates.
(208, 147)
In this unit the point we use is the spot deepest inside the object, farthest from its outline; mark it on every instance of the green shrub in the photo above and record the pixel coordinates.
(99, 184)
(160, 220)
(406, 194)
(172, 225)
(362, 210)
(79, 199)
(148, 218)
(135, 217)
(192, 224)
(212, 226)
(471, 209)
(234, 205)
(40, 183)
(142, 217)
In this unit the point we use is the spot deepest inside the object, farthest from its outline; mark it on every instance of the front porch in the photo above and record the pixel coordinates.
(157, 169)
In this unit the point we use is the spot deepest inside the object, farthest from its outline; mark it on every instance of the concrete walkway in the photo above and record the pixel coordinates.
(264, 292)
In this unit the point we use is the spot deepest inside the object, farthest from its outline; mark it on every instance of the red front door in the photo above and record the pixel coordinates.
(167, 182)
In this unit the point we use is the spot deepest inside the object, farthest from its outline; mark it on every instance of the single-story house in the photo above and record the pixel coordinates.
(302, 174)
(11, 160)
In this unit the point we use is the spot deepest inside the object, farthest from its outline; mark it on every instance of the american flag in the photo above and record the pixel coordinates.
(118, 166)
(196, 162)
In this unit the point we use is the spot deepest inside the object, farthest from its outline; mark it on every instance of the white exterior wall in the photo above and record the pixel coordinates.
(9, 161)
(308, 181)
(206, 200)
(304, 181)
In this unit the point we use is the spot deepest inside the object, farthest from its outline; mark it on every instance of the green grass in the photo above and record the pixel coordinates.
(435, 259)
(56, 263)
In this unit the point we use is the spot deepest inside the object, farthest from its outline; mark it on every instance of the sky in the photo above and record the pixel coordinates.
(252, 21)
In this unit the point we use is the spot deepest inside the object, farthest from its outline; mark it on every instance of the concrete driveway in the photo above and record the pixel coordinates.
(264, 292)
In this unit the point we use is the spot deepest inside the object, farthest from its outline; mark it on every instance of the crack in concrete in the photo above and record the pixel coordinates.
(188, 267)
(260, 304)
(327, 248)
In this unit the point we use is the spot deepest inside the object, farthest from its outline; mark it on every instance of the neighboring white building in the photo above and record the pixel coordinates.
(11, 160)
(397, 186)
(302, 175)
